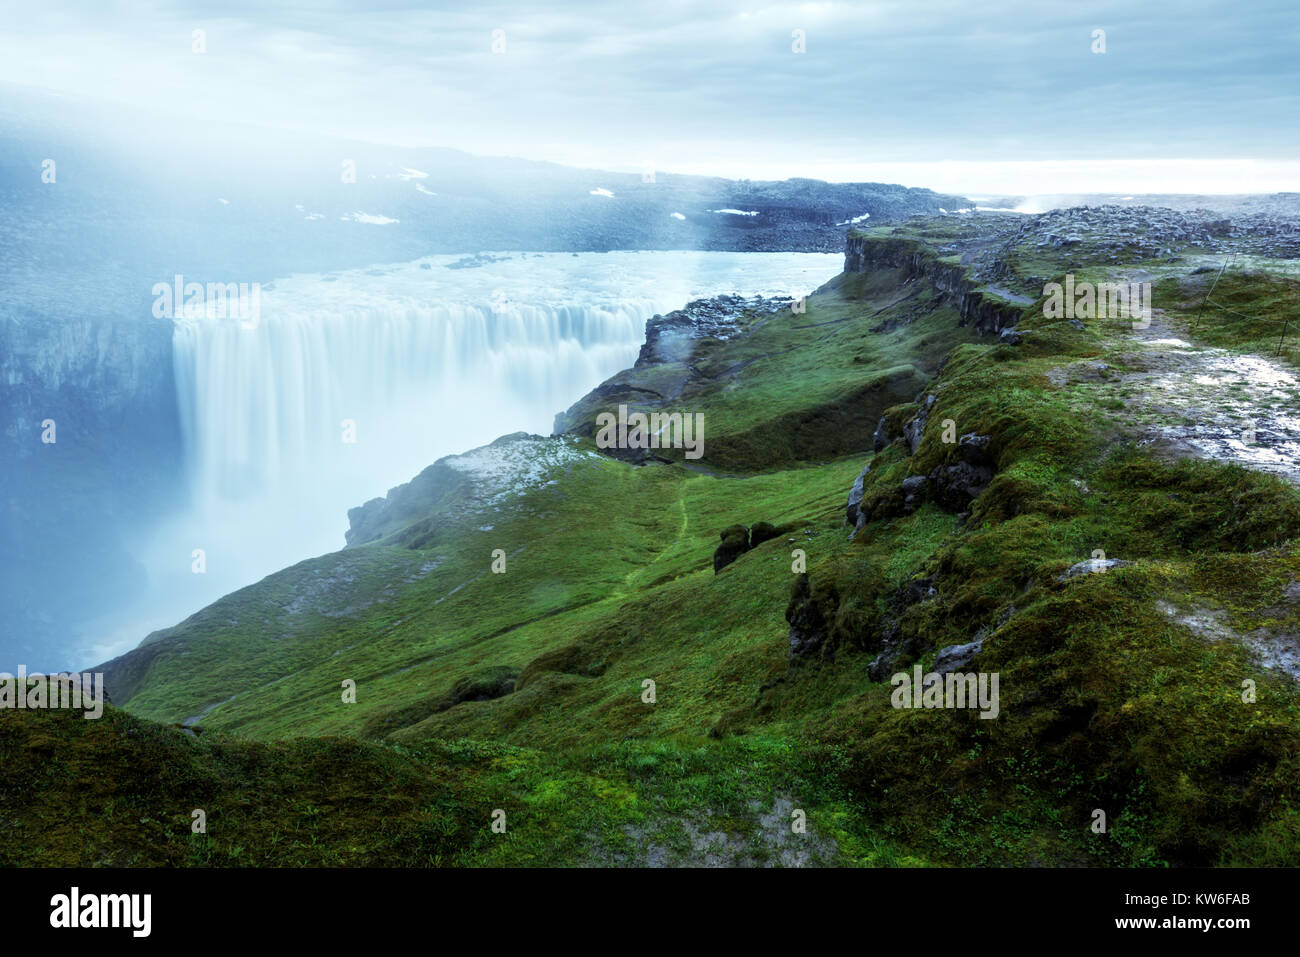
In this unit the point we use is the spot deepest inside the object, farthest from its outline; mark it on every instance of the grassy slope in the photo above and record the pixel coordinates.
(1106, 702)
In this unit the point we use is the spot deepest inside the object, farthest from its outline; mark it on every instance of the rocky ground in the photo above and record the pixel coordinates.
(1023, 250)
(1191, 399)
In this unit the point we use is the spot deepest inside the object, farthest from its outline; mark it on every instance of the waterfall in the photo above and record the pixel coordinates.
(381, 390)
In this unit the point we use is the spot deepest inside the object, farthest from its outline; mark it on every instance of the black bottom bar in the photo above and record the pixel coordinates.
(303, 906)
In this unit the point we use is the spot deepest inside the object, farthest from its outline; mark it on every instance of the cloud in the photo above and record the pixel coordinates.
(600, 85)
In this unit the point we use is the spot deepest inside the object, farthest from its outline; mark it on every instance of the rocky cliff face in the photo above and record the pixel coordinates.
(988, 310)
(66, 506)
(90, 373)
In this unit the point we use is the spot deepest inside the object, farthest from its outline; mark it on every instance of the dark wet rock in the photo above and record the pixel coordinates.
(882, 666)
(917, 590)
(953, 487)
(881, 507)
(989, 314)
(894, 654)
(881, 437)
(476, 260)
(957, 657)
(974, 450)
(855, 497)
(865, 514)
(916, 427)
(1011, 337)
(913, 484)
(913, 489)
(1092, 566)
(988, 310)
(735, 542)
(895, 646)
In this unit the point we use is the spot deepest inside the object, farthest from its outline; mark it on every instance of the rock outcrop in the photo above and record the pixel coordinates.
(669, 337)
(987, 310)
(954, 486)
(855, 497)
(735, 542)
(956, 657)
(103, 389)
(1092, 566)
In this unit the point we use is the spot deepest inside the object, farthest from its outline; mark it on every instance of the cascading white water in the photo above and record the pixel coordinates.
(420, 361)
(268, 408)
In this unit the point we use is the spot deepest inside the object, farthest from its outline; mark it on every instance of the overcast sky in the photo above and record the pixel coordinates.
(952, 94)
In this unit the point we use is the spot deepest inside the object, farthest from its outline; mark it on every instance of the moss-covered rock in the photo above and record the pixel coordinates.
(735, 542)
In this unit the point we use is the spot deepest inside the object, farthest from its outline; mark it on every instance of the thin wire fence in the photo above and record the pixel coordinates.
(1207, 301)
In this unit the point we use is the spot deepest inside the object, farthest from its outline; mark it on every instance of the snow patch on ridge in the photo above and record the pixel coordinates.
(505, 468)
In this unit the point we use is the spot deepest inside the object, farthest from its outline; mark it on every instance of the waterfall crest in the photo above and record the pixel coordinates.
(380, 390)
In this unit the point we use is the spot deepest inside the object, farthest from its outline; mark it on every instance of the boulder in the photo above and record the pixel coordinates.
(1092, 566)
(974, 450)
(954, 486)
(913, 492)
(881, 437)
(855, 497)
(956, 657)
(735, 542)
(915, 428)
